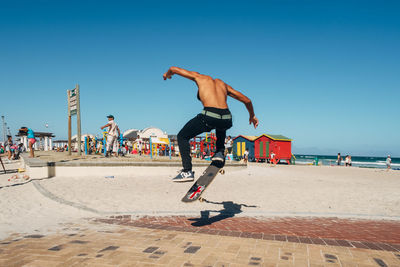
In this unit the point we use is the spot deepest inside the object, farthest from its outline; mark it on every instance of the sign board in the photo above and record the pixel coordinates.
(73, 102)
(74, 109)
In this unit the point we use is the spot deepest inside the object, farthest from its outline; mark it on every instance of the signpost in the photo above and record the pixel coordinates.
(73, 98)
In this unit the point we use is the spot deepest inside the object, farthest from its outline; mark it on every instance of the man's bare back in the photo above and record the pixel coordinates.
(213, 92)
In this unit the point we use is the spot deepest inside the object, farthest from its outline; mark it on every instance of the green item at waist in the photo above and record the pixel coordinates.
(216, 115)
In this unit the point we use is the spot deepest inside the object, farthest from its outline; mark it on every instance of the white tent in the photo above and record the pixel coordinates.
(156, 140)
(152, 132)
(75, 137)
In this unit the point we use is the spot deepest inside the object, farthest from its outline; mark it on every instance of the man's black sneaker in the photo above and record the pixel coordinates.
(219, 156)
(183, 176)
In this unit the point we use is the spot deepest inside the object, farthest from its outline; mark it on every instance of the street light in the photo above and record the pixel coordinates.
(4, 129)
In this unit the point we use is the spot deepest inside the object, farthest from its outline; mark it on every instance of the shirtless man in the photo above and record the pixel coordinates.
(213, 94)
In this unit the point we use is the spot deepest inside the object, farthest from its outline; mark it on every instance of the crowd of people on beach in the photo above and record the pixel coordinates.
(11, 149)
(117, 147)
(348, 162)
(121, 149)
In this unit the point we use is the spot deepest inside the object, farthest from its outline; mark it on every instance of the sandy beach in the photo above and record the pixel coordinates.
(40, 205)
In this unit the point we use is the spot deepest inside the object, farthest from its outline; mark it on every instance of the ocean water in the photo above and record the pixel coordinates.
(357, 161)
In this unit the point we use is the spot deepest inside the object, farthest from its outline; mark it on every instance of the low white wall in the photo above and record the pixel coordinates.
(37, 172)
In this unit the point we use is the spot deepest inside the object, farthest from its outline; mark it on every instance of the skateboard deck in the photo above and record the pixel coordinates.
(203, 182)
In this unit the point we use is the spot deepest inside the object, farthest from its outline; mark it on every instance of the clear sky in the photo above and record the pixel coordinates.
(325, 73)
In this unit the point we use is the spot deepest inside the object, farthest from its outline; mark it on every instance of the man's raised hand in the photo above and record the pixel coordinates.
(253, 120)
(167, 75)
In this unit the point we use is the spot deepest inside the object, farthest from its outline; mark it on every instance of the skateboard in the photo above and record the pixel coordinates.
(203, 182)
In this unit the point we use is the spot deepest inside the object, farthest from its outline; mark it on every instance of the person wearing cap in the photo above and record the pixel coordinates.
(112, 135)
(212, 93)
(388, 162)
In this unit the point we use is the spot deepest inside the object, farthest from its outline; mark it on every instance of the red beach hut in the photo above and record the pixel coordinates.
(265, 144)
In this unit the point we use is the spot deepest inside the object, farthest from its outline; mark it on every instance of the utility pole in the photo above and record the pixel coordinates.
(4, 129)
(74, 108)
(78, 118)
(69, 123)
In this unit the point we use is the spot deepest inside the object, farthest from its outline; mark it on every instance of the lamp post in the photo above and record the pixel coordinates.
(4, 129)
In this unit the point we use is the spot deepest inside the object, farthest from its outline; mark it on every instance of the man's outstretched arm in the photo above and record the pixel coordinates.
(192, 75)
(107, 125)
(246, 101)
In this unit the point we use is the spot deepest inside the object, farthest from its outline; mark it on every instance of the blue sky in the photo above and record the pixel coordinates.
(325, 73)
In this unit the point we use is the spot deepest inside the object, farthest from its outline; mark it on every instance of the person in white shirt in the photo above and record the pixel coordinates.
(388, 162)
(112, 135)
(99, 147)
(246, 156)
(139, 145)
(347, 161)
(272, 158)
(229, 144)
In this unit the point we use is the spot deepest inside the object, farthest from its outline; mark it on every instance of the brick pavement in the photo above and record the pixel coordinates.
(206, 241)
(377, 235)
(96, 244)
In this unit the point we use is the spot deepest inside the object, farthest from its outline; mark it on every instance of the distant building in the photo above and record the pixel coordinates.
(60, 143)
(44, 141)
(261, 147)
(241, 143)
(280, 145)
(153, 134)
(130, 134)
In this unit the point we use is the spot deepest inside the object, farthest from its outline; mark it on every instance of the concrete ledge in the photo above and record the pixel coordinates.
(138, 164)
(38, 168)
(33, 162)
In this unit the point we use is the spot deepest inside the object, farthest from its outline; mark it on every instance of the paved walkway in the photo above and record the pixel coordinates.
(209, 241)
(377, 235)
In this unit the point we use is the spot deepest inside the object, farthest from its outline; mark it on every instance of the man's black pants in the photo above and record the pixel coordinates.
(200, 124)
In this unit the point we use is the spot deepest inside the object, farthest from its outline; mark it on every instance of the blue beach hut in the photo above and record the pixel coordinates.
(241, 143)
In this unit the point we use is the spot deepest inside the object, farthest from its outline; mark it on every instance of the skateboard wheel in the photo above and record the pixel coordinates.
(201, 199)
(222, 171)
